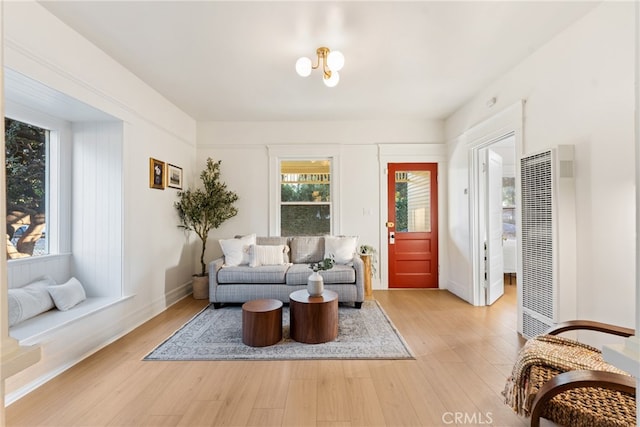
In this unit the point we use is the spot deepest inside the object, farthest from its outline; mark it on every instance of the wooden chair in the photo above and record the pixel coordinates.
(582, 397)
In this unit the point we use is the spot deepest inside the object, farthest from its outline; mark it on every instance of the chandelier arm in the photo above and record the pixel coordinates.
(315, 67)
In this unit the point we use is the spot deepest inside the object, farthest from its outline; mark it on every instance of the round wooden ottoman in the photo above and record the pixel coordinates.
(261, 322)
(313, 320)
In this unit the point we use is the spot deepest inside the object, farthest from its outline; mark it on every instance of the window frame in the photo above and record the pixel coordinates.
(58, 186)
(279, 153)
(328, 203)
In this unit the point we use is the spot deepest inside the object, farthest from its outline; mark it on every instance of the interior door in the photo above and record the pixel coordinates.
(494, 266)
(412, 227)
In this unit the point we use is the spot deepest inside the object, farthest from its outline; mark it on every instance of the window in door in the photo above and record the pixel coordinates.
(27, 175)
(508, 208)
(305, 197)
(413, 201)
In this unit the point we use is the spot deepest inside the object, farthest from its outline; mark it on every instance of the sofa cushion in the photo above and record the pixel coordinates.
(29, 300)
(236, 251)
(341, 248)
(245, 274)
(267, 255)
(299, 273)
(305, 249)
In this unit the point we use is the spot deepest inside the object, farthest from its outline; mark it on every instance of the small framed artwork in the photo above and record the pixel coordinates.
(174, 176)
(156, 173)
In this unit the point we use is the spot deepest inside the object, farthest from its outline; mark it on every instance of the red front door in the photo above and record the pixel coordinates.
(412, 227)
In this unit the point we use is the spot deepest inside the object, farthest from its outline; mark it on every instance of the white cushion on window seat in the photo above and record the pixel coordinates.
(68, 294)
(29, 300)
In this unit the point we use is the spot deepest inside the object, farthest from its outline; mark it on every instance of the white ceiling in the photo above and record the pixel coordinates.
(235, 60)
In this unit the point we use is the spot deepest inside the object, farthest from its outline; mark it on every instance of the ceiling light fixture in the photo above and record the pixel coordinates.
(332, 62)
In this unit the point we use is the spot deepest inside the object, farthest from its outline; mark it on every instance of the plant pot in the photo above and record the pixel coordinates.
(315, 284)
(200, 287)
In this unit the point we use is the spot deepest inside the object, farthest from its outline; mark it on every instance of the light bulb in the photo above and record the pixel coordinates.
(335, 60)
(333, 80)
(303, 66)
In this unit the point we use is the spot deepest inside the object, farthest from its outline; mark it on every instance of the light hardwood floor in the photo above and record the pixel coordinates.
(463, 355)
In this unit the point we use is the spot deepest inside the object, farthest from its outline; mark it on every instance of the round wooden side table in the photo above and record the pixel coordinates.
(262, 322)
(313, 320)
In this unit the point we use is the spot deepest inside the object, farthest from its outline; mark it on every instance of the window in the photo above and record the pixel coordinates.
(508, 207)
(27, 189)
(413, 201)
(305, 197)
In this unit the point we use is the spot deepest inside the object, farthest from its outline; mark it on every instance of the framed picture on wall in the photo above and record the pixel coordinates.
(174, 176)
(156, 174)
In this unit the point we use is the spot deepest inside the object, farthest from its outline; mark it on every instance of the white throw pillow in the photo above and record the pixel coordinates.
(29, 300)
(68, 294)
(236, 251)
(341, 248)
(267, 255)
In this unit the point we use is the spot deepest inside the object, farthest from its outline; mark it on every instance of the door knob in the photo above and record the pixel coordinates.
(389, 224)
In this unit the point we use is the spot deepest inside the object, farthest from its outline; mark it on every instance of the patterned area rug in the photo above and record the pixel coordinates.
(365, 333)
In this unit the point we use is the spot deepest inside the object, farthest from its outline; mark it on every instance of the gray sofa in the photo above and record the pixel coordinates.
(238, 284)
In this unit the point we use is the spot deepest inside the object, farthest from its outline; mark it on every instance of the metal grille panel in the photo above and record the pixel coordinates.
(538, 293)
(532, 326)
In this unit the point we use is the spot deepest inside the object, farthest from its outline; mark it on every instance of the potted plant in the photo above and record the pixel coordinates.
(370, 251)
(202, 210)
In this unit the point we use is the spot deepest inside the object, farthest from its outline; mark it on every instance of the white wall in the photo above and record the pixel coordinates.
(156, 258)
(96, 219)
(243, 149)
(578, 90)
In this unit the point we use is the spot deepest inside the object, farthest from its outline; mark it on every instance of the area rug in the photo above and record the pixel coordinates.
(216, 334)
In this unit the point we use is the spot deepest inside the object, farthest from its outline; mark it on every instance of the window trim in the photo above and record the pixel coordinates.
(58, 184)
(277, 153)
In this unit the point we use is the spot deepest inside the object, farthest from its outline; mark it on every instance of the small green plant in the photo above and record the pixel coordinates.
(204, 209)
(325, 264)
(370, 251)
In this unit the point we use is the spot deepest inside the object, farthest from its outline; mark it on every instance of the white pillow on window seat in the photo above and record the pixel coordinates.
(29, 300)
(68, 294)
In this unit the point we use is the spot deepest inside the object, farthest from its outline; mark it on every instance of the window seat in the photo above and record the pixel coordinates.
(32, 330)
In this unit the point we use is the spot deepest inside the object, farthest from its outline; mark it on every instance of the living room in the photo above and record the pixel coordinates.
(578, 89)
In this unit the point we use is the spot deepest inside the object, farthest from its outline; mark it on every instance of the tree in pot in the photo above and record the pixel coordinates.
(202, 210)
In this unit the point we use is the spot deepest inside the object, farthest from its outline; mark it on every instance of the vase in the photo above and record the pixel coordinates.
(315, 284)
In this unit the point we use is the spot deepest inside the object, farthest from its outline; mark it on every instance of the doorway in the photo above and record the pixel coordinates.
(495, 176)
(412, 225)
